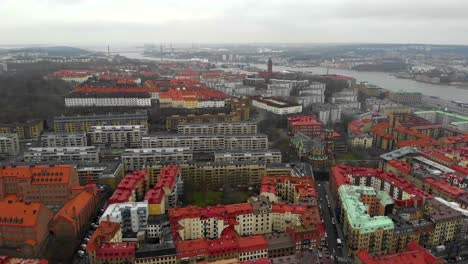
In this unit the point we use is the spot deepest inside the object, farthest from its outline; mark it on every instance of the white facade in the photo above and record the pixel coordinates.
(107, 101)
(268, 156)
(74, 154)
(132, 215)
(126, 136)
(135, 159)
(206, 142)
(9, 145)
(224, 128)
(275, 106)
(60, 140)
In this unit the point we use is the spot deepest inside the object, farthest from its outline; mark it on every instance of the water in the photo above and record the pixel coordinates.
(381, 79)
(389, 82)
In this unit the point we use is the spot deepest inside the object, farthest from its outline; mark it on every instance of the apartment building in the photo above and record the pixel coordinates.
(132, 188)
(327, 113)
(364, 225)
(106, 246)
(108, 100)
(63, 140)
(216, 174)
(402, 192)
(276, 105)
(413, 253)
(66, 154)
(222, 128)
(109, 173)
(402, 96)
(267, 156)
(9, 145)
(132, 216)
(295, 190)
(30, 129)
(308, 125)
(206, 142)
(135, 159)
(24, 226)
(167, 190)
(239, 111)
(126, 136)
(447, 221)
(445, 119)
(82, 123)
(48, 185)
(76, 214)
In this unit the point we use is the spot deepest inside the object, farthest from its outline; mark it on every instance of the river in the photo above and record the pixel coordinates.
(389, 82)
(384, 80)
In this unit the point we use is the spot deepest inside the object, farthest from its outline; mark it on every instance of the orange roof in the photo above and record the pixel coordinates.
(42, 174)
(103, 233)
(415, 254)
(25, 214)
(75, 206)
(9, 260)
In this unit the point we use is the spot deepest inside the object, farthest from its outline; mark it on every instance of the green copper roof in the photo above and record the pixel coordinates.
(405, 92)
(462, 118)
(384, 198)
(357, 211)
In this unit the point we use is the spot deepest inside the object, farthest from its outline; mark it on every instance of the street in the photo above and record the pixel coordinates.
(333, 232)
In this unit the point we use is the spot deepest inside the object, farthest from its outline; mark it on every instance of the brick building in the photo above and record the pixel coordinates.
(75, 215)
(49, 185)
(23, 226)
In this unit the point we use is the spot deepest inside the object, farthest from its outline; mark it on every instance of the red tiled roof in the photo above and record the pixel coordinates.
(444, 187)
(401, 166)
(340, 175)
(103, 233)
(414, 254)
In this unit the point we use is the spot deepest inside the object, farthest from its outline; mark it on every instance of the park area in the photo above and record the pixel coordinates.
(209, 198)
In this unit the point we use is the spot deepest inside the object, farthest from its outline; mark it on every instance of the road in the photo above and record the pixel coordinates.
(333, 231)
(437, 102)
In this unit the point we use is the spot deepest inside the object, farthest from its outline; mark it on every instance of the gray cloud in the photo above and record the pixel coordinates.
(293, 21)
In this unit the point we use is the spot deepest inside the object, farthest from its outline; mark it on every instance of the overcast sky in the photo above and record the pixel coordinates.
(98, 22)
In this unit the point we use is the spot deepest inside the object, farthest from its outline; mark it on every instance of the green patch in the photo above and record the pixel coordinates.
(203, 199)
(206, 198)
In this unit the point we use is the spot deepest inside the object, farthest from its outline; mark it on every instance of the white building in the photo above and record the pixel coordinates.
(60, 140)
(132, 216)
(224, 128)
(72, 154)
(9, 145)
(126, 136)
(108, 100)
(268, 156)
(327, 112)
(135, 159)
(276, 105)
(345, 95)
(206, 142)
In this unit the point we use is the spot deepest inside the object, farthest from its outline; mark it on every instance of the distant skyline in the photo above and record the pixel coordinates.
(102, 22)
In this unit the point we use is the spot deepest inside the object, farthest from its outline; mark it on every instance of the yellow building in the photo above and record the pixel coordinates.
(447, 223)
(79, 123)
(31, 129)
(216, 174)
(363, 225)
(362, 142)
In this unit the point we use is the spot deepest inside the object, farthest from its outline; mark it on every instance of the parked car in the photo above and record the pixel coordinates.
(80, 253)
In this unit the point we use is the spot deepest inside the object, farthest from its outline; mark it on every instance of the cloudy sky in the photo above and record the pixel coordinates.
(98, 22)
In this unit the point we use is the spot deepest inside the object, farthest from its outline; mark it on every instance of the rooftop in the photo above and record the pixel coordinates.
(414, 254)
(20, 214)
(357, 211)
